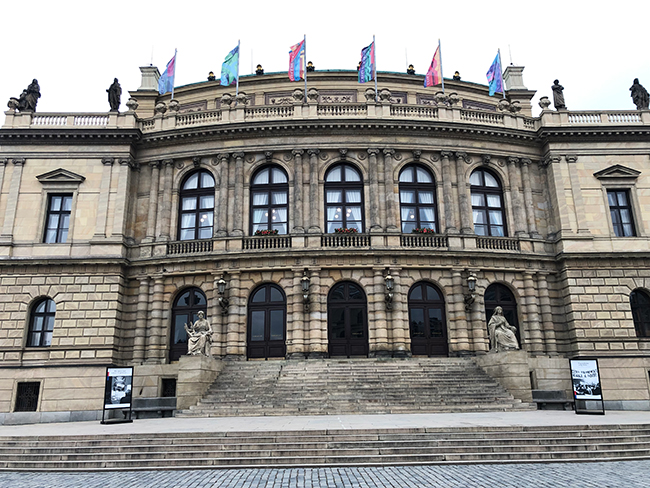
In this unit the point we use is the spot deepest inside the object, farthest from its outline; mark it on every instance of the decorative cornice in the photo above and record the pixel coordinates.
(60, 175)
(617, 173)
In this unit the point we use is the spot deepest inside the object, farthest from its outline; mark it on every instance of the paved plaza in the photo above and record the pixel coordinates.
(628, 474)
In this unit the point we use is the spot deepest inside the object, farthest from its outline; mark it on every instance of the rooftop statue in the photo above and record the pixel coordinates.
(199, 337)
(502, 334)
(639, 95)
(114, 95)
(558, 96)
(29, 97)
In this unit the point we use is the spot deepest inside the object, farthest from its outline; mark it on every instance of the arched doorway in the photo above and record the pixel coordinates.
(347, 321)
(267, 312)
(427, 321)
(498, 295)
(185, 309)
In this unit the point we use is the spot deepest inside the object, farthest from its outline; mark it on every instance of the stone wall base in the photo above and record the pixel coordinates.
(195, 375)
(511, 370)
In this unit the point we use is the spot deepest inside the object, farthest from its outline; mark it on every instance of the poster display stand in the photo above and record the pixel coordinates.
(118, 395)
(587, 391)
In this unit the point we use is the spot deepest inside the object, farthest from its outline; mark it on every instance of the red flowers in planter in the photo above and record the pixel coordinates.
(344, 230)
(266, 232)
(423, 230)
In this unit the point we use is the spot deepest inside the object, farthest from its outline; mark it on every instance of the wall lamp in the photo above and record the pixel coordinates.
(223, 301)
(471, 286)
(390, 287)
(304, 283)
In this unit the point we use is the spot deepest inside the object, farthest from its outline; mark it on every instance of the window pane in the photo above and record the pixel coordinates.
(427, 215)
(417, 322)
(478, 200)
(490, 180)
(337, 322)
(64, 236)
(351, 174)
(494, 201)
(41, 307)
(432, 294)
(276, 295)
(423, 176)
(354, 292)
(53, 221)
(47, 339)
(279, 176)
(480, 230)
(280, 198)
(334, 174)
(67, 204)
(497, 231)
(496, 217)
(198, 298)
(278, 215)
(188, 220)
(259, 296)
(257, 325)
(205, 232)
(50, 236)
(479, 217)
(407, 227)
(334, 196)
(192, 182)
(356, 322)
(262, 178)
(625, 216)
(55, 204)
(50, 306)
(187, 234)
(207, 181)
(353, 213)
(475, 179)
(277, 325)
(425, 197)
(435, 323)
(353, 196)
(189, 203)
(338, 293)
(627, 230)
(260, 216)
(611, 197)
(37, 324)
(622, 198)
(180, 336)
(334, 214)
(206, 219)
(408, 213)
(260, 198)
(207, 201)
(416, 293)
(281, 228)
(406, 176)
(64, 222)
(407, 196)
(354, 225)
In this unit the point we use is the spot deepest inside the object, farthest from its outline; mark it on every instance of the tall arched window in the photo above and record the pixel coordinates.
(196, 214)
(417, 197)
(344, 198)
(487, 204)
(185, 309)
(269, 200)
(267, 317)
(41, 323)
(498, 295)
(427, 322)
(640, 303)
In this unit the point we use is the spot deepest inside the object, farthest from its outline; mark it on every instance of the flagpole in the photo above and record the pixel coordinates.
(503, 88)
(174, 78)
(238, 58)
(442, 76)
(305, 64)
(374, 48)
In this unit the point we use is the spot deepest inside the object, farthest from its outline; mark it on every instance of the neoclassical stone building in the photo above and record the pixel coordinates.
(117, 228)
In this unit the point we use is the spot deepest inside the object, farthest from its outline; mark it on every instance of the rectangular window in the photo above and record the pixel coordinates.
(620, 209)
(58, 218)
(27, 396)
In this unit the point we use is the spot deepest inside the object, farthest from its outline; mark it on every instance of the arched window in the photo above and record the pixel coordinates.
(487, 204)
(427, 320)
(186, 308)
(640, 303)
(498, 295)
(196, 214)
(417, 197)
(269, 200)
(344, 198)
(267, 317)
(41, 323)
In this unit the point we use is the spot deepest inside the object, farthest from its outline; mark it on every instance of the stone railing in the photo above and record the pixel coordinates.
(498, 243)
(40, 120)
(190, 247)
(345, 240)
(423, 240)
(266, 242)
(560, 118)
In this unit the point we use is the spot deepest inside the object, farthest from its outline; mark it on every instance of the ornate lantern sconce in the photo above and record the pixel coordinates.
(304, 283)
(471, 286)
(223, 301)
(390, 287)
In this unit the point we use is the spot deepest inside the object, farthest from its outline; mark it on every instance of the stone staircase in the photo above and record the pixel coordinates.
(381, 447)
(352, 386)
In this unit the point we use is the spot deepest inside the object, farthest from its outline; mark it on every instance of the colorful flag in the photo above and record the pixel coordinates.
(495, 76)
(297, 61)
(434, 74)
(230, 67)
(367, 66)
(166, 80)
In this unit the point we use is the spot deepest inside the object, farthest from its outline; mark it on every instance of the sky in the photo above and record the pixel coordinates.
(75, 48)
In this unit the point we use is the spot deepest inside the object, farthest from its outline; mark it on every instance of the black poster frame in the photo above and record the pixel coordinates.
(585, 392)
(118, 394)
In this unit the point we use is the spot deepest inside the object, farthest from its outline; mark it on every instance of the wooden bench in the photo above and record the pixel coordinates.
(154, 407)
(544, 398)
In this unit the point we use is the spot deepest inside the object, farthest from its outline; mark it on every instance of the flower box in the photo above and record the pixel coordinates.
(344, 230)
(423, 230)
(266, 232)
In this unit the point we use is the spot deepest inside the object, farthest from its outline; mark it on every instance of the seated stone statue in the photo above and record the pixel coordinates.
(502, 335)
(199, 336)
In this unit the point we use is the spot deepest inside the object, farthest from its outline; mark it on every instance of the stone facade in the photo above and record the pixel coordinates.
(116, 277)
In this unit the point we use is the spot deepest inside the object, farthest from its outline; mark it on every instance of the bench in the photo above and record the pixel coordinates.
(552, 399)
(153, 407)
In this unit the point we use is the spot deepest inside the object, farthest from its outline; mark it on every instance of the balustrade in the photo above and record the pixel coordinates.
(345, 240)
(416, 240)
(266, 242)
(498, 243)
(190, 247)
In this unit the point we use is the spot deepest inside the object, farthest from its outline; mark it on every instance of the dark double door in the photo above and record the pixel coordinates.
(427, 322)
(267, 311)
(347, 321)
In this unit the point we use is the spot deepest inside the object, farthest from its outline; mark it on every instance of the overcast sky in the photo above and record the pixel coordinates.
(75, 48)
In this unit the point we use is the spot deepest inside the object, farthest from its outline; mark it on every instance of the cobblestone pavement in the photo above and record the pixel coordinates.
(628, 474)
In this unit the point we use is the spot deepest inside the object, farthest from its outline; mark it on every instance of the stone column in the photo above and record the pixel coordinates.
(536, 344)
(153, 202)
(447, 193)
(155, 344)
(314, 203)
(102, 205)
(12, 200)
(141, 317)
(459, 340)
(297, 192)
(317, 326)
(3, 164)
(557, 195)
(166, 212)
(236, 335)
(296, 331)
(399, 323)
(547, 313)
(391, 199)
(238, 204)
(122, 197)
(518, 208)
(478, 326)
(379, 344)
(222, 207)
(375, 226)
(463, 205)
(576, 191)
(528, 198)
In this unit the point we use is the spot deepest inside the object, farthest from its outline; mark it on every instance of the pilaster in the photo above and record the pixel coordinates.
(447, 193)
(314, 201)
(375, 226)
(297, 192)
(389, 192)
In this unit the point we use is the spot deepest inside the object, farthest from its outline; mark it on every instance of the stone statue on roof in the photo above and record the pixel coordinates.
(639, 95)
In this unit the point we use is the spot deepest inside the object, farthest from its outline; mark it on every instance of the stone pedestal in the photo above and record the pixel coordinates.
(510, 369)
(195, 375)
